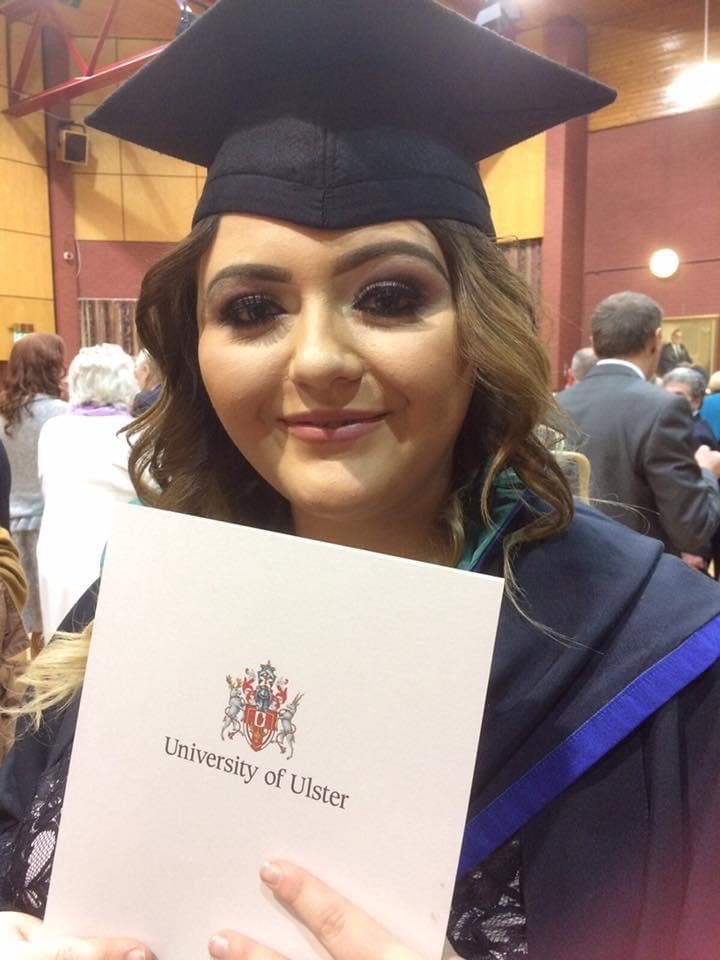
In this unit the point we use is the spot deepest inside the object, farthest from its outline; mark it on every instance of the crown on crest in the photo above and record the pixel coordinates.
(268, 671)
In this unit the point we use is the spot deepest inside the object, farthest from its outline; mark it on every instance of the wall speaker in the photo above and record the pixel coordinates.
(72, 144)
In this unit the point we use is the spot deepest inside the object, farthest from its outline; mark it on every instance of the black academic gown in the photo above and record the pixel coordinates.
(599, 749)
(622, 862)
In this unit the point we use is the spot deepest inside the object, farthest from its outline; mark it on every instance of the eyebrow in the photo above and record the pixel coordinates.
(249, 271)
(346, 263)
(387, 248)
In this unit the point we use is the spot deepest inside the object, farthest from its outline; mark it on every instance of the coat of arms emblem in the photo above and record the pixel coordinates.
(258, 708)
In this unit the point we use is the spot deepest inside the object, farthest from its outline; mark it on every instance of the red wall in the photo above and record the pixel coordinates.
(650, 185)
(114, 269)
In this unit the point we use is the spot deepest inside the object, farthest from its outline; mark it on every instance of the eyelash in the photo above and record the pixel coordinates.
(406, 295)
(394, 299)
(231, 312)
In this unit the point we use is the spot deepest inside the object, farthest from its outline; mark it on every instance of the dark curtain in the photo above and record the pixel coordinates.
(525, 256)
(108, 321)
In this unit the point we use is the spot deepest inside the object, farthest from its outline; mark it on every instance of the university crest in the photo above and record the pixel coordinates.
(258, 708)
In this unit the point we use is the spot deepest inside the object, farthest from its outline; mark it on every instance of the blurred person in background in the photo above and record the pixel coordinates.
(31, 397)
(581, 364)
(13, 636)
(711, 404)
(149, 380)
(5, 482)
(690, 383)
(82, 464)
(672, 354)
(646, 470)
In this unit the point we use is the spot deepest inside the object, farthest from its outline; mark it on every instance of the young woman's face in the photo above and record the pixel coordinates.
(332, 361)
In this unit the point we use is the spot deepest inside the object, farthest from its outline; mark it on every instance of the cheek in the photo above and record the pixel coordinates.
(237, 381)
(435, 378)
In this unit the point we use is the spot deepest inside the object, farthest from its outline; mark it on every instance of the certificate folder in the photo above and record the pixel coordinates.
(252, 695)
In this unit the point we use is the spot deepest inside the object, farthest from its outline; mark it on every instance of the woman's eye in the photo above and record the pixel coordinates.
(390, 298)
(253, 310)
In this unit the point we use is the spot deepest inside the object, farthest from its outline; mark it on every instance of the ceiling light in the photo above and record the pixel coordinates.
(700, 83)
(664, 263)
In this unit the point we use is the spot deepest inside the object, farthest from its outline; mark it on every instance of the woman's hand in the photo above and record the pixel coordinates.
(20, 940)
(342, 928)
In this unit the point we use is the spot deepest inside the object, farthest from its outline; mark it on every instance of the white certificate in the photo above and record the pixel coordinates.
(252, 695)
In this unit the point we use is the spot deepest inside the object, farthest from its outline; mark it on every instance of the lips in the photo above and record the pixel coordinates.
(323, 426)
(333, 418)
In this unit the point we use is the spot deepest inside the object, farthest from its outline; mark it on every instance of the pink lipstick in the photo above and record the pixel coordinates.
(328, 426)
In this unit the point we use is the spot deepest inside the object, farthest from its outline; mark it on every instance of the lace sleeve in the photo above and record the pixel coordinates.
(487, 920)
(27, 851)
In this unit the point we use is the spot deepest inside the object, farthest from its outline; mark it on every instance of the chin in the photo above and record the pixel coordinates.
(337, 501)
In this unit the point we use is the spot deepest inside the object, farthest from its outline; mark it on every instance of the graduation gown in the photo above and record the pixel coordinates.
(598, 757)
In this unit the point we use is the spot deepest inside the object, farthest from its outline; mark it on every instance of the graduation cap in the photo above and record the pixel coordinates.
(342, 113)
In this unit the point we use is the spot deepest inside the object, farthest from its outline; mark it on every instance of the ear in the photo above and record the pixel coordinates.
(655, 343)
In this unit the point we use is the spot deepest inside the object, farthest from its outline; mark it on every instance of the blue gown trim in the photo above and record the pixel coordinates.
(589, 743)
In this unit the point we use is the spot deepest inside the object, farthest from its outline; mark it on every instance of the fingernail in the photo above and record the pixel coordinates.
(270, 874)
(137, 953)
(219, 947)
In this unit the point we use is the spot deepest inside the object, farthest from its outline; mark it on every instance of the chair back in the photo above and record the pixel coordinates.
(576, 468)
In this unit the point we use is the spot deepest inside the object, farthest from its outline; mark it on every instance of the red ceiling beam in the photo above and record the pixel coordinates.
(19, 105)
(73, 88)
(103, 34)
(68, 40)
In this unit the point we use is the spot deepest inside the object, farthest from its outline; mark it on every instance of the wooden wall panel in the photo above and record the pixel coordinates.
(641, 53)
(24, 198)
(25, 266)
(38, 312)
(515, 185)
(98, 206)
(515, 179)
(26, 281)
(108, 55)
(21, 138)
(134, 18)
(115, 192)
(103, 150)
(158, 209)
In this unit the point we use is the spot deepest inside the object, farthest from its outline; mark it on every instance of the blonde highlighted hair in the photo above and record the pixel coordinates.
(182, 459)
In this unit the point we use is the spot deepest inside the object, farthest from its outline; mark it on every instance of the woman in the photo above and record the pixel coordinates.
(347, 356)
(32, 396)
(82, 464)
(148, 378)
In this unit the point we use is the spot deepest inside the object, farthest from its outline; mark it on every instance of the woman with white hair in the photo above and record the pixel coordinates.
(82, 463)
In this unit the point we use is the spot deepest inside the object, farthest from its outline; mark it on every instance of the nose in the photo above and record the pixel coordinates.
(323, 349)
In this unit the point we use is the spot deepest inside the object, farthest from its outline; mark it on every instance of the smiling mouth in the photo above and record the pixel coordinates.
(332, 421)
(322, 427)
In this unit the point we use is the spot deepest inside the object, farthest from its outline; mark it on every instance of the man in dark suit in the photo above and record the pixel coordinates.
(673, 353)
(638, 437)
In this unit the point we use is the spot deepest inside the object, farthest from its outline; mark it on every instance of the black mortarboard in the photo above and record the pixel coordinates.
(340, 113)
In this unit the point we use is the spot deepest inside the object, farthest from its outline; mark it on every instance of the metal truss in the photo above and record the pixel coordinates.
(90, 78)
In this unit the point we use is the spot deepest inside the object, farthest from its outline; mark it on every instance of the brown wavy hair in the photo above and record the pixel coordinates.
(36, 365)
(183, 460)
